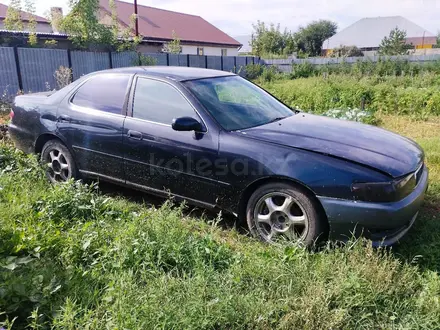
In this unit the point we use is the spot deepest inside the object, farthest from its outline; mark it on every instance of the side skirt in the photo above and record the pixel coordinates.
(153, 191)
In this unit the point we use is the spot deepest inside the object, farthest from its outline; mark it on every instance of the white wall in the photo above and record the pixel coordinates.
(216, 51)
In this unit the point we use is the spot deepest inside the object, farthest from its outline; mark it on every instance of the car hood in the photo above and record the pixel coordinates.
(368, 145)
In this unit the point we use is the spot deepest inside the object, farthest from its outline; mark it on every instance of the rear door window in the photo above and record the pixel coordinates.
(106, 92)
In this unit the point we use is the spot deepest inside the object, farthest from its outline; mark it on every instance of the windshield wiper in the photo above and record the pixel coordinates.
(276, 119)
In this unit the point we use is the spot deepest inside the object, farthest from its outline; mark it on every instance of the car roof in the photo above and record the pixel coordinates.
(176, 73)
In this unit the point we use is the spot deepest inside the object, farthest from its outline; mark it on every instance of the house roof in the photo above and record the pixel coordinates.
(155, 23)
(24, 15)
(369, 32)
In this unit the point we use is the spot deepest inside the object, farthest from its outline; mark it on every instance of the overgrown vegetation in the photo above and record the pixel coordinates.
(384, 67)
(268, 41)
(388, 86)
(394, 44)
(72, 258)
(13, 20)
(85, 30)
(173, 47)
(418, 97)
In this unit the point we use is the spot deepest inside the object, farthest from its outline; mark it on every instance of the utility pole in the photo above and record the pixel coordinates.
(136, 18)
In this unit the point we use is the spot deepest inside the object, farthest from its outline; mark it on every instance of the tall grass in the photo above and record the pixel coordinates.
(417, 96)
(381, 68)
(73, 258)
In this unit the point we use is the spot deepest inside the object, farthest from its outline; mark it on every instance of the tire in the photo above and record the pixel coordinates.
(60, 166)
(279, 211)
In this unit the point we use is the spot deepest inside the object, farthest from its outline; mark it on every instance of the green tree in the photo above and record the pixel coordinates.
(394, 44)
(122, 38)
(173, 47)
(289, 43)
(267, 39)
(83, 27)
(13, 20)
(309, 39)
(32, 22)
(438, 39)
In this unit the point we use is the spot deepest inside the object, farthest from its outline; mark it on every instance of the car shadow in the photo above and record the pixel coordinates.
(224, 220)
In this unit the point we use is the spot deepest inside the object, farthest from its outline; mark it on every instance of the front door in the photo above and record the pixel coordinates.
(160, 158)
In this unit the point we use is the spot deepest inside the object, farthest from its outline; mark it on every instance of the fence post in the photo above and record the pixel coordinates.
(235, 64)
(206, 61)
(187, 60)
(110, 59)
(17, 65)
(168, 59)
(69, 63)
(221, 62)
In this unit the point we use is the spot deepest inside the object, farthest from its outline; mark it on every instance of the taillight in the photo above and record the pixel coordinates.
(11, 114)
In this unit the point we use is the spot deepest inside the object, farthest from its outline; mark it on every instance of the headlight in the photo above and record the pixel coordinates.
(384, 192)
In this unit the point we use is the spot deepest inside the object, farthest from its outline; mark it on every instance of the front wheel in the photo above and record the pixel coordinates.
(58, 160)
(280, 211)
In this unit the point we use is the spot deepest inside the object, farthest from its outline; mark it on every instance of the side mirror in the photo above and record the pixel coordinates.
(186, 124)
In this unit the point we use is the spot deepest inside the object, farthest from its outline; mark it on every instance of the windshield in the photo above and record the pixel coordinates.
(236, 103)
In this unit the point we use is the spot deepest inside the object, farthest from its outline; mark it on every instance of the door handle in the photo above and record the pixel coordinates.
(64, 118)
(134, 135)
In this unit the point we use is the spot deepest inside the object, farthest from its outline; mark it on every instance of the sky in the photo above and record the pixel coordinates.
(235, 17)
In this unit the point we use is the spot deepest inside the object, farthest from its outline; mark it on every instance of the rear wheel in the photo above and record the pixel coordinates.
(279, 212)
(58, 160)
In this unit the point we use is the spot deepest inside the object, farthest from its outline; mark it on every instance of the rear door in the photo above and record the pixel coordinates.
(93, 124)
(160, 158)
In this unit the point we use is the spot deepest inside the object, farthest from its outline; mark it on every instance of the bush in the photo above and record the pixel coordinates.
(270, 73)
(63, 77)
(303, 70)
(254, 71)
(145, 60)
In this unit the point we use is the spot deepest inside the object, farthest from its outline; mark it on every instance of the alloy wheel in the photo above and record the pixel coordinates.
(58, 167)
(280, 216)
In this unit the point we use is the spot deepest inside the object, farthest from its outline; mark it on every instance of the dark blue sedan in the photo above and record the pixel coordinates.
(218, 141)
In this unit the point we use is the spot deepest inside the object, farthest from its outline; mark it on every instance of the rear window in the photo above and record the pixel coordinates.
(105, 92)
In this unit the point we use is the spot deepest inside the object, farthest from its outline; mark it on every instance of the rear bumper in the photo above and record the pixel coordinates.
(22, 139)
(383, 223)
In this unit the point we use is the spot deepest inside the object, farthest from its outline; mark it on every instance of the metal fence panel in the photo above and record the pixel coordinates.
(178, 60)
(228, 63)
(214, 62)
(249, 60)
(87, 62)
(38, 66)
(160, 58)
(8, 73)
(174, 60)
(183, 60)
(240, 65)
(124, 59)
(196, 61)
(339, 60)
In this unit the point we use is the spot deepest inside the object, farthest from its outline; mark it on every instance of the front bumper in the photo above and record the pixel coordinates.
(383, 223)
